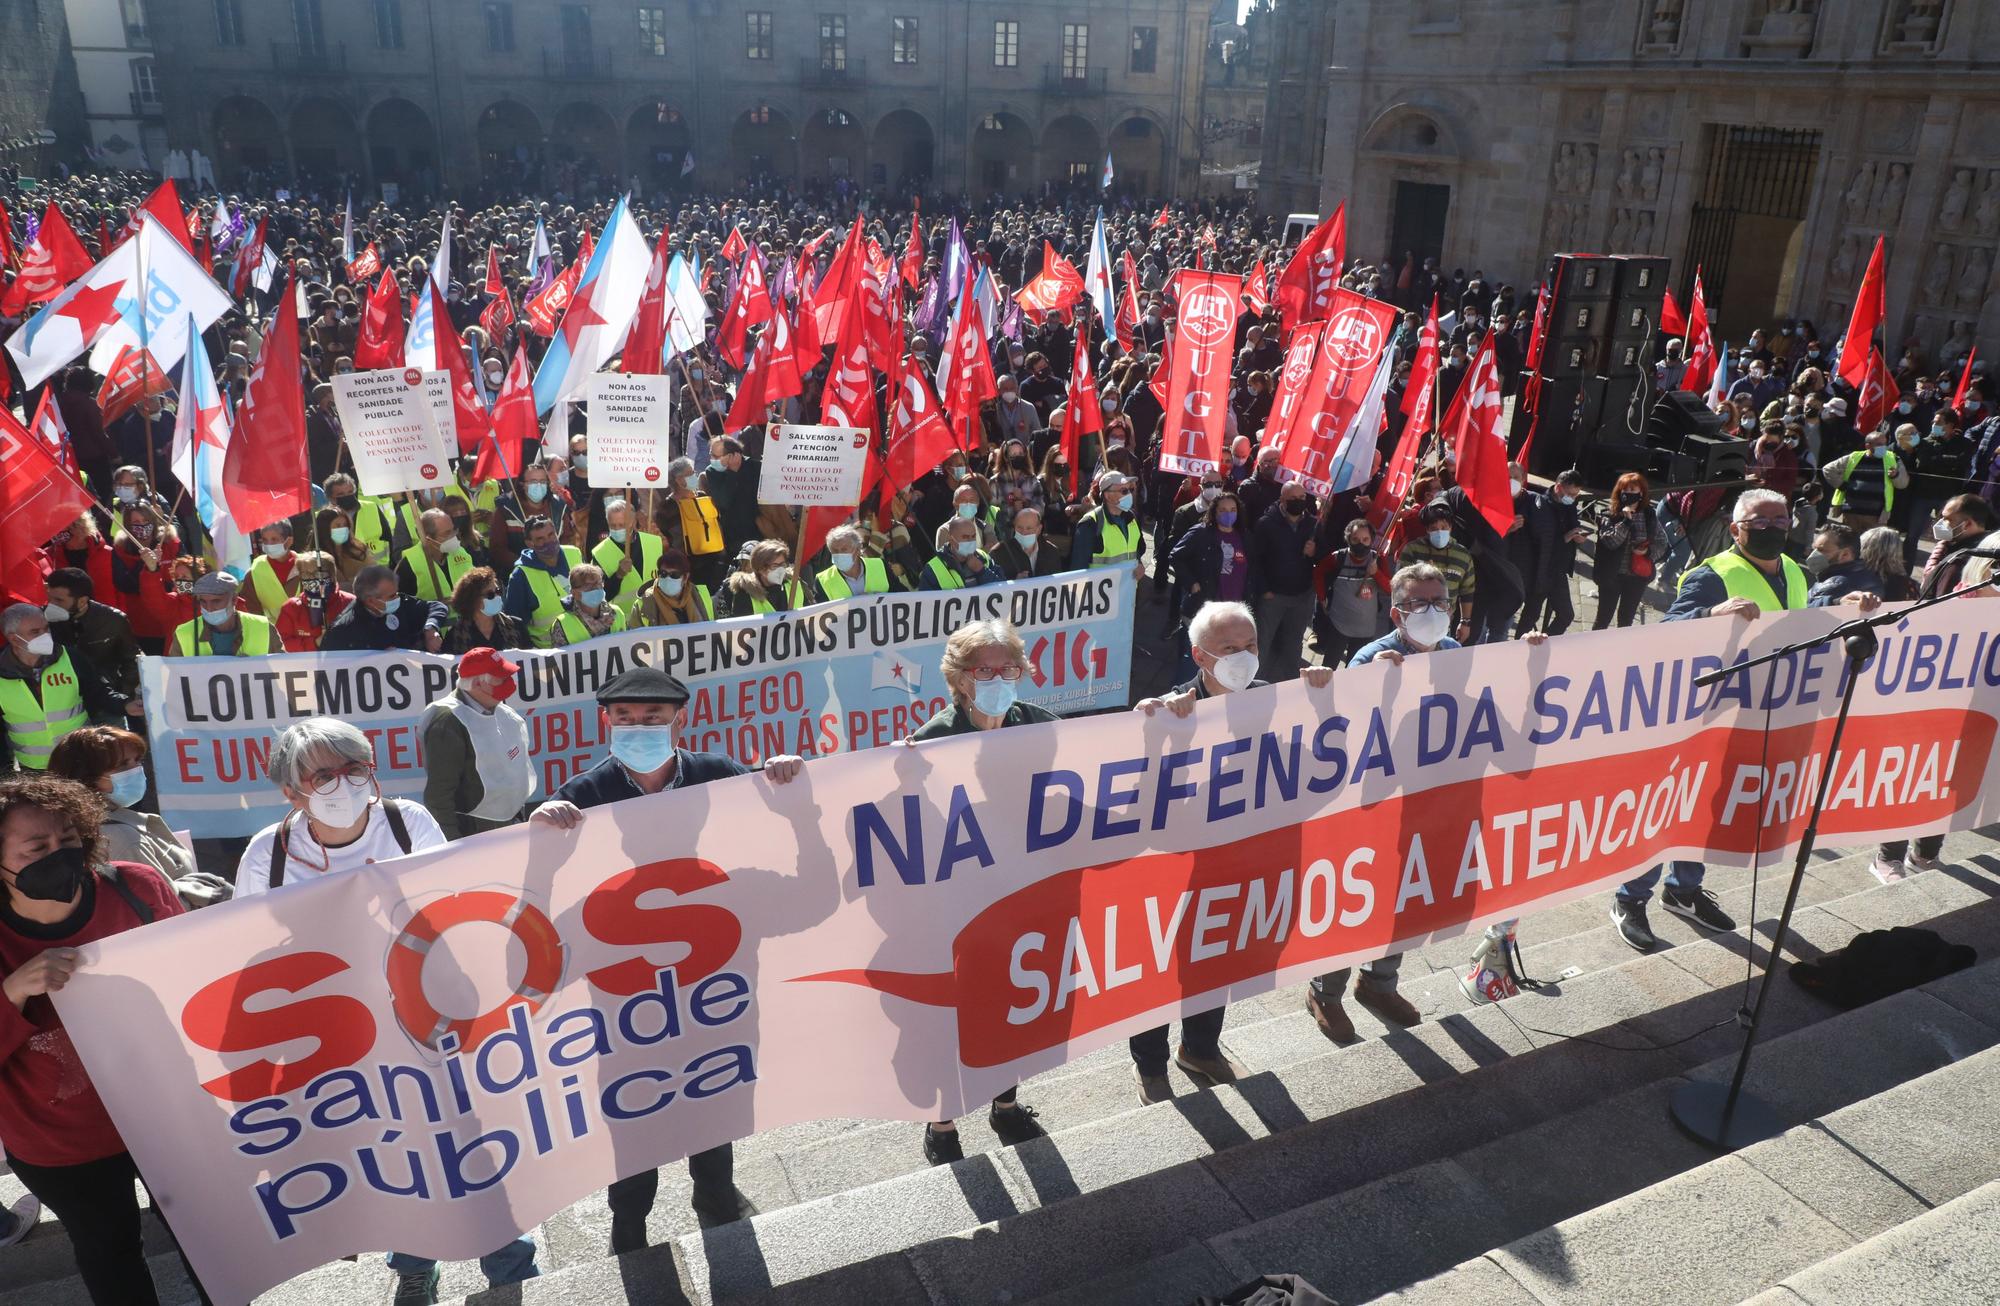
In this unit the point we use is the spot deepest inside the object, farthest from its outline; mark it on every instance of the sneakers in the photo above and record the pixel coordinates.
(1917, 864)
(721, 1206)
(941, 1146)
(1015, 1125)
(1387, 1004)
(1886, 871)
(1153, 1088)
(418, 1288)
(20, 1220)
(1208, 1071)
(1700, 907)
(1332, 1019)
(1630, 918)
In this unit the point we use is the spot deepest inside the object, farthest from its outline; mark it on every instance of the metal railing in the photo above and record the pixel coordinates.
(1087, 81)
(322, 59)
(576, 64)
(814, 72)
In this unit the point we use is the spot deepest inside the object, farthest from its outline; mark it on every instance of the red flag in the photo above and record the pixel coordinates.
(265, 474)
(1701, 357)
(512, 426)
(1673, 322)
(1538, 343)
(1083, 413)
(1055, 289)
(132, 376)
(1128, 303)
(37, 499)
(1350, 351)
(1256, 288)
(1162, 218)
(773, 374)
(497, 316)
(494, 285)
(735, 247)
(1157, 382)
(1478, 438)
(849, 400)
(53, 259)
(546, 306)
(1864, 323)
(1197, 404)
(1402, 468)
(646, 344)
(104, 242)
(1290, 400)
(468, 414)
(1418, 397)
(918, 438)
(1305, 289)
(248, 258)
(165, 204)
(206, 252)
(806, 343)
(586, 247)
(378, 343)
(1878, 394)
(7, 254)
(48, 427)
(913, 252)
(843, 274)
(366, 264)
(968, 379)
(1964, 383)
(751, 306)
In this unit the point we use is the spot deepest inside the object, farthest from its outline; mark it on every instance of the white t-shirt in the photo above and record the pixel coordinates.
(305, 858)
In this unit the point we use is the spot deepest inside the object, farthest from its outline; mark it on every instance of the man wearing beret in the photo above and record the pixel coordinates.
(642, 712)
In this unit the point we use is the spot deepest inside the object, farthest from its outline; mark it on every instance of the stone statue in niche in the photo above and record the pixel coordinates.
(1937, 276)
(1555, 232)
(1565, 176)
(1888, 206)
(1858, 191)
(1642, 232)
(1649, 173)
(1957, 346)
(1973, 276)
(1957, 197)
(1664, 27)
(1986, 217)
(1845, 259)
(1627, 184)
(1784, 25)
(1586, 168)
(1918, 22)
(1621, 231)
(1579, 225)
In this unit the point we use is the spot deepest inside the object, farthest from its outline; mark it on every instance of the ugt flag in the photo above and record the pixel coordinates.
(101, 311)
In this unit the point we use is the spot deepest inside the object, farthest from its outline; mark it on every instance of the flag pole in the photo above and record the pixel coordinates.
(146, 361)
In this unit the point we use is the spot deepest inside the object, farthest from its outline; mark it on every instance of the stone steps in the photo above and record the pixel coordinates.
(815, 1177)
(1945, 1257)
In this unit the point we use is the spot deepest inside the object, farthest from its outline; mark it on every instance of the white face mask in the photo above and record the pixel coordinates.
(1210, 493)
(777, 575)
(56, 612)
(42, 645)
(1426, 628)
(1940, 529)
(344, 806)
(1235, 671)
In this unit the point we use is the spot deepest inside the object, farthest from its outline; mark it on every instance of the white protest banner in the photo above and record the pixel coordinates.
(390, 423)
(805, 682)
(631, 432)
(813, 466)
(351, 1064)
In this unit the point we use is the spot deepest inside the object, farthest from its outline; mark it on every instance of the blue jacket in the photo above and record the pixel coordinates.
(520, 601)
(1841, 581)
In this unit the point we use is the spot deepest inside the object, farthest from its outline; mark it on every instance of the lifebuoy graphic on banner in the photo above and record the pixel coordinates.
(420, 1018)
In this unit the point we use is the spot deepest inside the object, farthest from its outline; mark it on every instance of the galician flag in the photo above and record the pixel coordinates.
(347, 231)
(1097, 271)
(1105, 184)
(201, 445)
(600, 312)
(420, 344)
(687, 311)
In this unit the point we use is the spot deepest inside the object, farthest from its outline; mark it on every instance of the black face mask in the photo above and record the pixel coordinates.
(1295, 508)
(1764, 543)
(1358, 550)
(53, 877)
(348, 502)
(1630, 497)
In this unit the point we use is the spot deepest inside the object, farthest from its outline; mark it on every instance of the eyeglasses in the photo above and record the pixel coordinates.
(1411, 607)
(1754, 522)
(1011, 672)
(325, 782)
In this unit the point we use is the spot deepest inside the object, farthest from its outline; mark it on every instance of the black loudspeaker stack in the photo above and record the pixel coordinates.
(1596, 364)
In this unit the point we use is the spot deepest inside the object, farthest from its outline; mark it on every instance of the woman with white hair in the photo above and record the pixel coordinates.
(339, 820)
(983, 664)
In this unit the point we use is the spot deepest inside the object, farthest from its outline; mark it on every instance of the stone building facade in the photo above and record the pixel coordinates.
(1768, 141)
(890, 93)
(41, 109)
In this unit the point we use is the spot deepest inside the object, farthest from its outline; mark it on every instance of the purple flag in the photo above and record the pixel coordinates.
(932, 315)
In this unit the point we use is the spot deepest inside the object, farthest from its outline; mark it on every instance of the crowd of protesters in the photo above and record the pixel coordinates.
(1256, 581)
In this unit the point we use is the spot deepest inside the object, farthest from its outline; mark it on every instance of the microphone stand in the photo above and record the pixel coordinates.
(1725, 1117)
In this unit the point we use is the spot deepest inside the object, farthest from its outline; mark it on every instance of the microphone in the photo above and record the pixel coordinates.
(1993, 553)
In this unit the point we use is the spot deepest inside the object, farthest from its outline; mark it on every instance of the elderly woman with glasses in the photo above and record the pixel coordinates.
(339, 820)
(983, 665)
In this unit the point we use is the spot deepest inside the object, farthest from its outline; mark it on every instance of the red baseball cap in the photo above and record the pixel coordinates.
(485, 662)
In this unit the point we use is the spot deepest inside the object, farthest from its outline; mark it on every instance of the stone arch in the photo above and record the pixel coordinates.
(584, 134)
(510, 138)
(1003, 153)
(402, 144)
(1407, 128)
(903, 154)
(832, 144)
(657, 140)
(1072, 152)
(762, 140)
(247, 139)
(323, 139)
(1139, 155)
